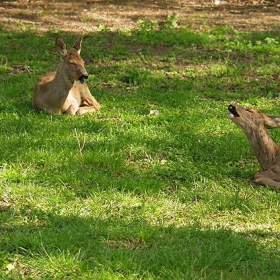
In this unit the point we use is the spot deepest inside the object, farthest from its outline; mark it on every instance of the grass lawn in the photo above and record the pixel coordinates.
(125, 194)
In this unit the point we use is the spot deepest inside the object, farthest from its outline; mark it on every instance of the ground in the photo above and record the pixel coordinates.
(91, 15)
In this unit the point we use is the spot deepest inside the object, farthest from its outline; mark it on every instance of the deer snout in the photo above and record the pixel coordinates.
(232, 109)
(83, 77)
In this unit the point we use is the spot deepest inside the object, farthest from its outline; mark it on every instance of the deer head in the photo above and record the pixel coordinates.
(250, 120)
(71, 61)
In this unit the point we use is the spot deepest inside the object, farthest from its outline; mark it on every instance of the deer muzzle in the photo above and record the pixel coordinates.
(82, 78)
(233, 111)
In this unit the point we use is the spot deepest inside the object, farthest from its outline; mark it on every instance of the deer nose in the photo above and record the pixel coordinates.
(232, 109)
(83, 77)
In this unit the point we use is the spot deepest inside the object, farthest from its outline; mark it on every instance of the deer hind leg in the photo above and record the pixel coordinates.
(267, 178)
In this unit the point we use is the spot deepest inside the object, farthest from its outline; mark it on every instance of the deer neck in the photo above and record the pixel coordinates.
(266, 150)
(61, 83)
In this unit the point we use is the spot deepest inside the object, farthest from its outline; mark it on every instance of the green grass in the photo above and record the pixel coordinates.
(122, 194)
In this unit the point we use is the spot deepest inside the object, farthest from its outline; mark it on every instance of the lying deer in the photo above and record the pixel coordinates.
(255, 125)
(64, 91)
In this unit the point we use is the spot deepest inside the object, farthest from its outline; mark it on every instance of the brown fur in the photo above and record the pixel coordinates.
(62, 91)
(255, 125)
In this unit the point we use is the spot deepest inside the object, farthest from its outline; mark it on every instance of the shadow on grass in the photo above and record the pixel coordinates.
(71, 246)
(142, 154)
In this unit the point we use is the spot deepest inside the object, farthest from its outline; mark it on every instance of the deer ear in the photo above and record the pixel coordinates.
(61, 46)
(78, 45)
(271, 122)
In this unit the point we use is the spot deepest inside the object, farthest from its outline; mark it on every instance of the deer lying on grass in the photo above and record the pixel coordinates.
(255, 125)
(64, 91)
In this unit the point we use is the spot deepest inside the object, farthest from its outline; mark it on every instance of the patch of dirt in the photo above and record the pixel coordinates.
(92, 15)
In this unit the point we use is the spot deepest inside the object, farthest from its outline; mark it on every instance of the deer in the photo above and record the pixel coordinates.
(255, 125)
(65, 91)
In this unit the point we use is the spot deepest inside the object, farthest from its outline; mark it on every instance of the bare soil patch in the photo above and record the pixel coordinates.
(91, 15)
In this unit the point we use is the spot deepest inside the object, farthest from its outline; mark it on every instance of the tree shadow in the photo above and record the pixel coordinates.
(96, 245)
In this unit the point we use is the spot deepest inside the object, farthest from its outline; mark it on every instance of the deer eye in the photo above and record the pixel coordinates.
(72, 62)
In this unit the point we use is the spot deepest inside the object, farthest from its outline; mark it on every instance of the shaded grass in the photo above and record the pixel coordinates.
(122, 194)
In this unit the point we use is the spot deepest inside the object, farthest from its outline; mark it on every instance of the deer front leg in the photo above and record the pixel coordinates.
(265, 178)
(91, 101)
(83, 110)
(86, 98)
